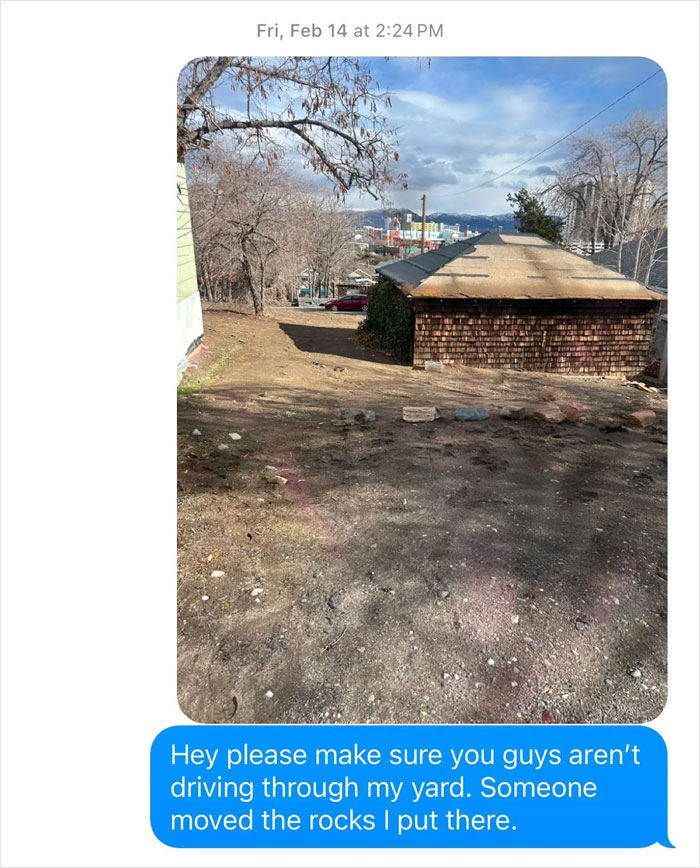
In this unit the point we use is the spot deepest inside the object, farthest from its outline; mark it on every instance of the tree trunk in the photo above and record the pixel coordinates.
(256, 293)
(637, 257)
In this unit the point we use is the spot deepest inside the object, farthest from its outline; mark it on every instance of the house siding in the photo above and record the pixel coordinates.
(562, 336)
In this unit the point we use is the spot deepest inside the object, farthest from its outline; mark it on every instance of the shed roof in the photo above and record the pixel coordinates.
(509, 265)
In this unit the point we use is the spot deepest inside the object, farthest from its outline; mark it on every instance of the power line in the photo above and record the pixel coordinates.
(554, 144)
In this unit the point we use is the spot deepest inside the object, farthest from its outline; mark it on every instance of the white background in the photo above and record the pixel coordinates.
(88, 91)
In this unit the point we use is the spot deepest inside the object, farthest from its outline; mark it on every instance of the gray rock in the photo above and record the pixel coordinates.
(471, 414)
(357, 417)
(431, 365)
(271, 475)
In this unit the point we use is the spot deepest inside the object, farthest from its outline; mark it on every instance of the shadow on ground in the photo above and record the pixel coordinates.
(329, 340)
(446, 572)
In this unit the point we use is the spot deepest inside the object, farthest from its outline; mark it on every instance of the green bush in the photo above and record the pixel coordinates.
(389, 321)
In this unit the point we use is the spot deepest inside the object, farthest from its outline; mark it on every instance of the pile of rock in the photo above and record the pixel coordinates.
(545, 411)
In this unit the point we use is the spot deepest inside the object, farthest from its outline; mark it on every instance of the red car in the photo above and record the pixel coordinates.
(348, 302)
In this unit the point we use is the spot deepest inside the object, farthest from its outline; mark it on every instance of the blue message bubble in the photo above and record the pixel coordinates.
(409, 786)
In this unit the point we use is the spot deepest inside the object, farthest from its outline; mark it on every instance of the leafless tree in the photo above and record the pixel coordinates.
(615, 183)
(327, 242)
(239, 208)
(653, 248)
(257, 227)
(330, 108)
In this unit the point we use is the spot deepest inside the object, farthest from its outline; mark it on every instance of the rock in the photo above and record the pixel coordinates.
(420, 414)
(257, 591)
(546, 413)
(271, 475)
(235, 436)
(574, 412)
(205, 598)
(548, 716)
(196, 433)
(513, 411)
(609, 682)
(515, 619)
(431, 365)
(635, 673)
(357, 417)
(641, 418)
(222, 447)
(491, 662)
(217, 574)
(471, 414)
(269, 694)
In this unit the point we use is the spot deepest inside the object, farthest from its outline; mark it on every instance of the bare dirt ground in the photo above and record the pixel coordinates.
(443, 572)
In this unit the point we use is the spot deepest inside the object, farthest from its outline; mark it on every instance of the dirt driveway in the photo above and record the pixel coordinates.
(443, 572)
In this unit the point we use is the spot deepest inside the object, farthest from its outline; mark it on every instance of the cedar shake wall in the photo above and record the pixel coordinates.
(566, 336)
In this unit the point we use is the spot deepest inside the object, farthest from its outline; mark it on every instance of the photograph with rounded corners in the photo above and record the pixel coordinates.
(421, 400)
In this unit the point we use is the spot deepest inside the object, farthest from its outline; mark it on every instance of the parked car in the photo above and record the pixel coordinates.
(348, 302)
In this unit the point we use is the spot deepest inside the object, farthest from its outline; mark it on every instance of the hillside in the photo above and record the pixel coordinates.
(475, 222)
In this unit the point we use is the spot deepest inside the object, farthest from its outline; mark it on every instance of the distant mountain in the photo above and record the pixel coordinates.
(475, 222)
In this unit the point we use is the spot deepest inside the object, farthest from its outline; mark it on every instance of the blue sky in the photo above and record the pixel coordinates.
(463, 120)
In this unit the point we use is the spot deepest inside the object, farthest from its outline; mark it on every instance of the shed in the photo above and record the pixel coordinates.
(511, 300)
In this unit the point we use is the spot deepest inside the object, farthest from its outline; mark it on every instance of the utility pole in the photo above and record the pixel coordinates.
(422, 231)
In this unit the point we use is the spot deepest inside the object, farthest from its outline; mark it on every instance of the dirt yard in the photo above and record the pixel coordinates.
(442, 572)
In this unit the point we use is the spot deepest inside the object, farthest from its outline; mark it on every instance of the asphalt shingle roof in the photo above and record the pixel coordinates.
(509, 265)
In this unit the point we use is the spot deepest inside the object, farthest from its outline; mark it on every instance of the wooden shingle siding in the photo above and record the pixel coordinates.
(562, 336)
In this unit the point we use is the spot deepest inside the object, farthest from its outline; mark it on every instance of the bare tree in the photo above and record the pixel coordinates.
(330, 108)
(328, 242)
(258, 226)
(613, 188)
(654, 246)
(240, 225)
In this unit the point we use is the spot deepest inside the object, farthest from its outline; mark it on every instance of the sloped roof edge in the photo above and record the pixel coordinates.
(509, 265)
